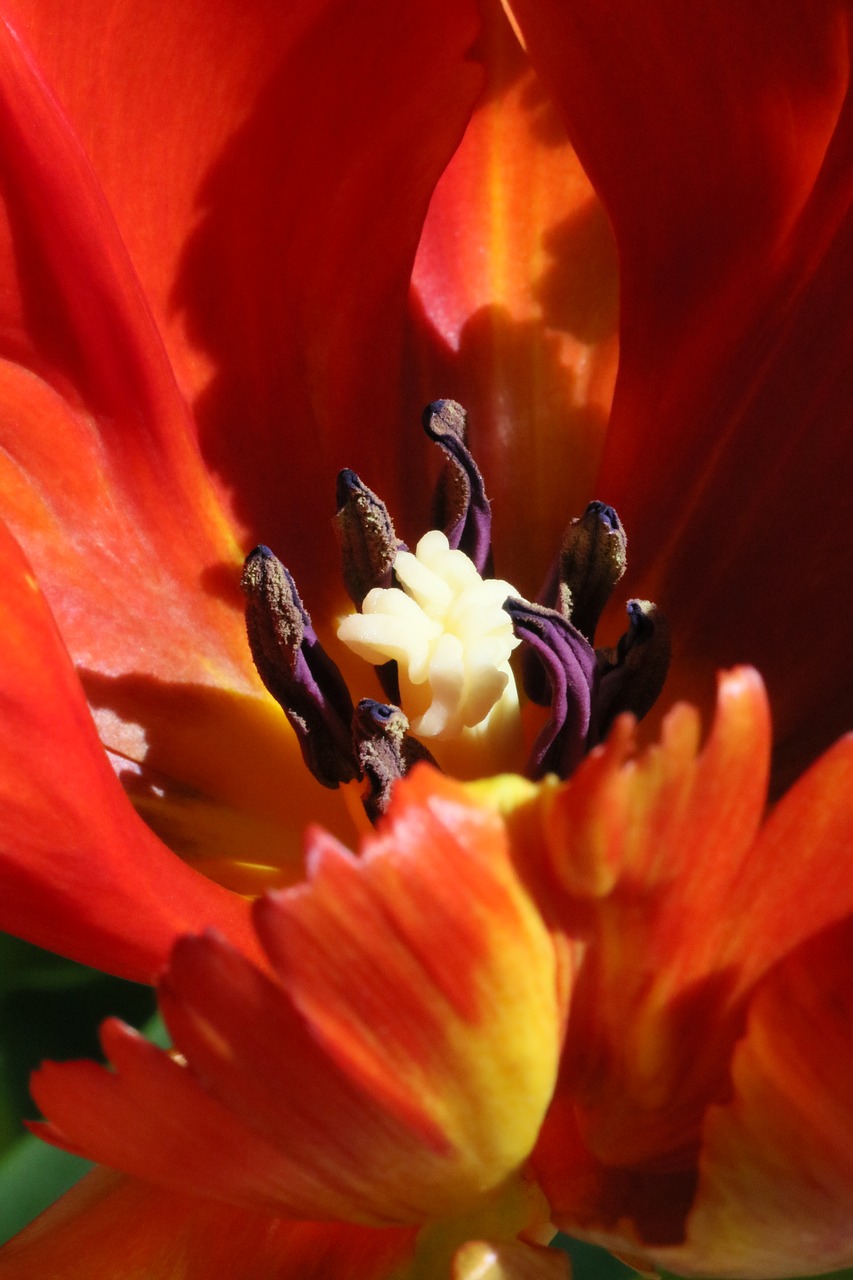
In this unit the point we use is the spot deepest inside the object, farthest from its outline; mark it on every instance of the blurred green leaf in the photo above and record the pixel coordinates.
(51, 1008)
(32, 1176)
(591, 1263)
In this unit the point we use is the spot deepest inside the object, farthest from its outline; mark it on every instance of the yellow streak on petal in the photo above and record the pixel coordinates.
(516, 273)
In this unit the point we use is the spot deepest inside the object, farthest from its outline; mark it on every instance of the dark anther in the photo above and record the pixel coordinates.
(570, 669)
(368, 546)
(632, 675)
(296, 669)
(461, 507)
(385, 751)
(366, 537)
(590, 562)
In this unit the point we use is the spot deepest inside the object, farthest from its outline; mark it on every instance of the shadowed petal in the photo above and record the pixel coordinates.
(300, 308)
(108, 1226)
(81, 872)
(282, 318)
(397, 1070)
(719, 141)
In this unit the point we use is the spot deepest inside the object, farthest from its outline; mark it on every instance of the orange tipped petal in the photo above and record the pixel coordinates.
(399, 1068)
(81, 873)
(719, 141)
(648, 852)
(776, 1174)
(686, 906)
(108, 1226)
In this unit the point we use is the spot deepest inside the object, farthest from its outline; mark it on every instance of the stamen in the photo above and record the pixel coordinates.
(296, 669)
(366, 537)
(446, 629)
(569, 665)
(385, 752)
(590, 562)
(440, 636)
(460, 506)
(632, 675)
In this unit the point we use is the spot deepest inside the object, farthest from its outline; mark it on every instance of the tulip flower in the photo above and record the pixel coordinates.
(219, 289)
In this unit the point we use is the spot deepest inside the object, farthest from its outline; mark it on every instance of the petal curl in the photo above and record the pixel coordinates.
(397, 1069)
(81, 872)
(108, 1226)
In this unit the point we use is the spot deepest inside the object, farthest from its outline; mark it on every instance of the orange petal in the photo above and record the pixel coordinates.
(719, 142)
(648, 852)
(81, 873)
(515, 307)
(686, 906)
(776, 1174)
(108, 1226)
(400, 1067)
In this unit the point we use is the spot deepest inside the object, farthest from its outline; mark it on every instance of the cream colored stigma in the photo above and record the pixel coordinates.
(451, 639)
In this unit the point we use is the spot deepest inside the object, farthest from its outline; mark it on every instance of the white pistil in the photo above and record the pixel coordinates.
(451, 639)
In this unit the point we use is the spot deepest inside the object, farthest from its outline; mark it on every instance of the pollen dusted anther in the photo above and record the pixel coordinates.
(385, 751)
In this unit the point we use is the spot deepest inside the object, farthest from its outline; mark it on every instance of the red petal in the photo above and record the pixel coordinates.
(229, 142)
(81, 873)
(108, 1226)
(102, 482)
(776, 1176)
(516, 307)
(719, 140)
(399, 1072)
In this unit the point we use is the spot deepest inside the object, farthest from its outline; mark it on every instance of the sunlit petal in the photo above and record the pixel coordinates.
(397, 1070)
(82, 874)
(515, 306)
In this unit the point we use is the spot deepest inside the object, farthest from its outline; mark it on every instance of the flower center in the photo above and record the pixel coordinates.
(440, 630)
(447, 630)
